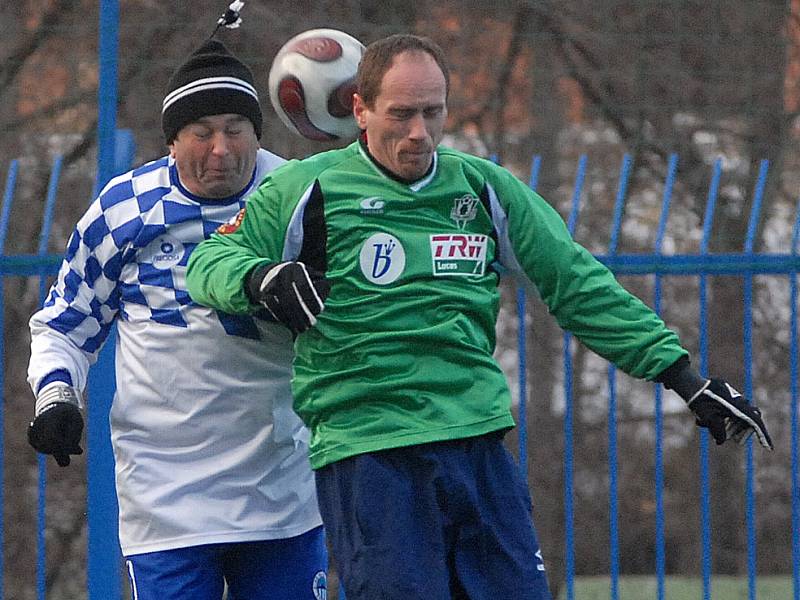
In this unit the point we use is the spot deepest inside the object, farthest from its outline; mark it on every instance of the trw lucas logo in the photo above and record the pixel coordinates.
(459, 254)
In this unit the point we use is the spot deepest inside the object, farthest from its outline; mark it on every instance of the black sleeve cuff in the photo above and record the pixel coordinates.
(667, 376)
(681, 377)
(252, 286)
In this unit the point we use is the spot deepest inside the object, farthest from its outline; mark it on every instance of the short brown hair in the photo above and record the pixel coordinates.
(378, 58)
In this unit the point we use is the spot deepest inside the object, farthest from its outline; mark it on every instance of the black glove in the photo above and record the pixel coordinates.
(57, 430)
(717, 406)
(727, 415)
(293, 293)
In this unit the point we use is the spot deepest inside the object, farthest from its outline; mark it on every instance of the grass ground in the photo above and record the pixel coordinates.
(681, 588)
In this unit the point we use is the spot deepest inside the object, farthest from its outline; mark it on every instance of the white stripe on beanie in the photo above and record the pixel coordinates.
(208, 83)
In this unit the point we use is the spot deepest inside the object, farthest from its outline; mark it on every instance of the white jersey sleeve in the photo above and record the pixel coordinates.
(68, 332)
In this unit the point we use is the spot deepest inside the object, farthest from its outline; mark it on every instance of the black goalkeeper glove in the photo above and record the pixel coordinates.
(293, 293)
(56, 429)
(717, 406)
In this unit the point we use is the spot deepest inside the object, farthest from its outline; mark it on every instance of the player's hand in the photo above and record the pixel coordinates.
(293, 293)
(716, 405)
(57, 427)
(727, 415)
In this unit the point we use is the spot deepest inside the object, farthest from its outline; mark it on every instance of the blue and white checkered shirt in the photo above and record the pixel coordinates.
(207, 446)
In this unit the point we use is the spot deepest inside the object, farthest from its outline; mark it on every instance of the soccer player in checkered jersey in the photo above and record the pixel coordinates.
(212, 470)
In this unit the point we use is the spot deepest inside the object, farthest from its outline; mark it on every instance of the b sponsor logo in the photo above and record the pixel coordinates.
(233, 224)
(458, 254)
(382, 258)
(168, 253)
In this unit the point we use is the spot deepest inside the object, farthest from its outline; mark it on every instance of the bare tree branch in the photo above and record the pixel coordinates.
(147, 51)
(50, 110)
(496, 100)
(12, 65)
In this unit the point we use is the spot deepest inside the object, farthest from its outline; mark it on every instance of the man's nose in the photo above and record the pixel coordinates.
(220, 144)
(418, 129)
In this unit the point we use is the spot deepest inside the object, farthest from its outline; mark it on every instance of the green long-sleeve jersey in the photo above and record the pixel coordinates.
(403, 352)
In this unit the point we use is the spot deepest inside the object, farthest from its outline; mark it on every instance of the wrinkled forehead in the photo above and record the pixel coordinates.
(413, 75)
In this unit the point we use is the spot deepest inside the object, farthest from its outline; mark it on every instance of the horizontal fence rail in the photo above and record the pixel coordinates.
(747, 264)
(621, 264)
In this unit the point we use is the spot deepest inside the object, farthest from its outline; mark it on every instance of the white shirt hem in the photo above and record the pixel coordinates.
(202, 539)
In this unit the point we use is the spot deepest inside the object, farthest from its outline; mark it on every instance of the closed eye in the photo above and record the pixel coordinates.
(433, 112)
(402, 114)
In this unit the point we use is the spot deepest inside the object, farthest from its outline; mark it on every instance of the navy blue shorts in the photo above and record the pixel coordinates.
(285, 569)
(447, 520)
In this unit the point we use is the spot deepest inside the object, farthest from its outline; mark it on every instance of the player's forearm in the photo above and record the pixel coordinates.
(54, 357)
(586, 299)
(217, 273)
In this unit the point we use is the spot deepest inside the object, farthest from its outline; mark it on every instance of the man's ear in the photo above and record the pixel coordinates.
(360, 111)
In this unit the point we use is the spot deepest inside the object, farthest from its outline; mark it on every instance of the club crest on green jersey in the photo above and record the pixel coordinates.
(233, 223)
(464, 209)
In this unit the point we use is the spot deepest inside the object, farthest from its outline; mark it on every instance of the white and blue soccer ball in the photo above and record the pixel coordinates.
(312, 81)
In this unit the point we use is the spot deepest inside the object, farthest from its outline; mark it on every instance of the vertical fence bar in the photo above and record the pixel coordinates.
(8, 198)
(749, 245)
(795, 448)
(705, 495)
(613, 463)
(522, 375)
(5, 219)
(669, 184)
(49, 207)
(108, 43)
(44, 239)
(619, 203)
(536, 166)
(104, 574)
(569, 460)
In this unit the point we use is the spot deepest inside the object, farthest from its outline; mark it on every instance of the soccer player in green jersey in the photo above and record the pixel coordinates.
(400, 241)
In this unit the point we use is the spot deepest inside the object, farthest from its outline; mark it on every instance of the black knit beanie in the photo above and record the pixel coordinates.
(212, 81)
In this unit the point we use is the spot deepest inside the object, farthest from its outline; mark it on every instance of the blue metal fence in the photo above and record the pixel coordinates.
(747, 264)
(103, 554)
